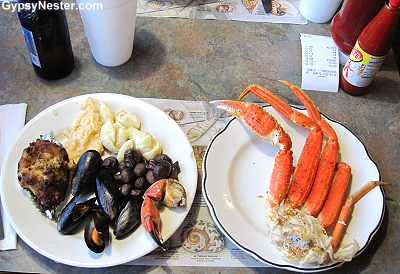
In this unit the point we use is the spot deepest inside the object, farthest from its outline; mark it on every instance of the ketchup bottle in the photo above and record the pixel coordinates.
(351, 19)
(370, 50)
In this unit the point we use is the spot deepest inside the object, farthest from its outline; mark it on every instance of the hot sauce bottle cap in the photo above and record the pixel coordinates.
(395, 3)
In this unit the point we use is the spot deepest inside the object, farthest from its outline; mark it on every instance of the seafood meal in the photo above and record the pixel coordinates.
(305, 201)
(117, 188)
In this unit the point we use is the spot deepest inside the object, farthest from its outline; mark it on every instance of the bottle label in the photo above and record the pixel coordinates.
(361, 67)
(30, 42)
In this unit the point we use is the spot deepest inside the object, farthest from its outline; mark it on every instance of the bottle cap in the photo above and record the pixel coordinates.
(395, 3)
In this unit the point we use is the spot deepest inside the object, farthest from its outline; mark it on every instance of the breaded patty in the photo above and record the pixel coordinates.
(43, 171)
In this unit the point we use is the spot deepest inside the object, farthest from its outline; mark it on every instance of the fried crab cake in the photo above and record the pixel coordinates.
(43, 171)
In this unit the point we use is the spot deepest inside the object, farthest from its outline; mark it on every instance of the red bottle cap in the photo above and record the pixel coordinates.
(395, 3)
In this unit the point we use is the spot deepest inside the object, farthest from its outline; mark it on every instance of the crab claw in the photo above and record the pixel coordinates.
(257, 120)
(172, 194)
(151, 221)
(267, 128)
(170, 191)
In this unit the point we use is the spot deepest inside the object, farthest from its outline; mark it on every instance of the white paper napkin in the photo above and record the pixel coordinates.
(12, 119)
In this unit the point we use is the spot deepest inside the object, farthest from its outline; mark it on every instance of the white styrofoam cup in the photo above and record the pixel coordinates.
(319, 11)
(110, 29)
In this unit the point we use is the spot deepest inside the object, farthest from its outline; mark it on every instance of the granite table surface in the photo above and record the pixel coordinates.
(205, 60)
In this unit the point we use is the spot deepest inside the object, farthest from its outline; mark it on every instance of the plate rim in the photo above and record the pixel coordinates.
(79, 99)
(253, 253)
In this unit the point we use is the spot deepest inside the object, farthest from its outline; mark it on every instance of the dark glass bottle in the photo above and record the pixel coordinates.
(46, 34)
(370, 50)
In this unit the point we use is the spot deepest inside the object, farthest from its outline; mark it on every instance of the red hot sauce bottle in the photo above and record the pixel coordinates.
(351, 19)
(370, 50)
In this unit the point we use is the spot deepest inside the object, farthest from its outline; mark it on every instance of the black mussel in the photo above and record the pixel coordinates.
(96, 232)
(73, 214)
(102, 224)
(129, 218)
(111, 163)
(107, 194)
(84, 176)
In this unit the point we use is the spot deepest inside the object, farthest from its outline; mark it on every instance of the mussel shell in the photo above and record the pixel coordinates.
(102, 224)
(95, 245)
(129, 218)
(73, 214)
(84, 176)
(107, 194)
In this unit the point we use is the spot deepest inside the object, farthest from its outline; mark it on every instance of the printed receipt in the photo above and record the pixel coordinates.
(320, 63)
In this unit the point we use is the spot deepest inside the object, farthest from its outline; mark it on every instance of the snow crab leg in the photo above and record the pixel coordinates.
(267, 128)
(337, 190)
(329, 156)
(307, 165)
(347, 207)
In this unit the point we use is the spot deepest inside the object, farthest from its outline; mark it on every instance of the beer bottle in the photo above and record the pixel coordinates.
(44, 25)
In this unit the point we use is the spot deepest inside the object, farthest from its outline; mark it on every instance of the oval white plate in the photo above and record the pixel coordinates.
(41, 234)
(237, 167)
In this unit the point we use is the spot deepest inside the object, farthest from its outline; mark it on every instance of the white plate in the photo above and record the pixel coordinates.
(237, 167)
(41, 234)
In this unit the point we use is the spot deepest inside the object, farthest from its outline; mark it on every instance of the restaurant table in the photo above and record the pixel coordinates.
(191, 59)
